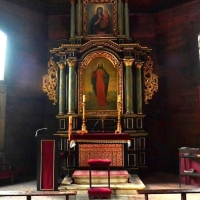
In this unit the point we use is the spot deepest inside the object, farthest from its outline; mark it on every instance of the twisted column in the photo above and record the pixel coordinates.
(62, 88)
(72, 22)
(71, 85)
(128, 85)
(139, 86)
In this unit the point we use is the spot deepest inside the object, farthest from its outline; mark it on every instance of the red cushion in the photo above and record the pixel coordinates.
(4, 174)
(99, 190)
(99, 161)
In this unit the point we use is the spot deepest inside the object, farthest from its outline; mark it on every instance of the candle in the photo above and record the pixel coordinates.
(70, 119)
(119, 99)
(83, 98)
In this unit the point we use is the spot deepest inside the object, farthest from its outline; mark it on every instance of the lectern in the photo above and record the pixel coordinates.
(47, 163)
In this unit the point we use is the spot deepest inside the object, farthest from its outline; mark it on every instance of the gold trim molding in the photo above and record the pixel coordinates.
(83, 65)
(114, 21)
(61, 65)
(50, 81)
(71, 62)
(128, 62)
(150, 80)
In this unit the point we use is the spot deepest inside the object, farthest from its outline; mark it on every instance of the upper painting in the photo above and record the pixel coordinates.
(100, 18)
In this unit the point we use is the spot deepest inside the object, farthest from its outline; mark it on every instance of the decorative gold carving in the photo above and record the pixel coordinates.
(85, 14)
(150, 80)
(95, 43)
(128, 62)
(64, 49)
(139, 65)
(119, 108)
(84, 64)
(114, 152)
(50, 81)
(72, 62)
(60, 65)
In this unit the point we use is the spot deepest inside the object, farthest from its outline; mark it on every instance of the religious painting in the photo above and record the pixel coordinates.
(100, 82)
(99, 18)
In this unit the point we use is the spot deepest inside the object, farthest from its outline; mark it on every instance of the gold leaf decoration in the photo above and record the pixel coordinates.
(150, 80)
(50, 81)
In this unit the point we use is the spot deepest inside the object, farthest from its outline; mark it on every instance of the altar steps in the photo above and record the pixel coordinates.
(121, 182)
(100, 176)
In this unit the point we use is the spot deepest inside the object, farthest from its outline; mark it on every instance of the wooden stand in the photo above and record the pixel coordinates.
(99, 192)
(47, 164)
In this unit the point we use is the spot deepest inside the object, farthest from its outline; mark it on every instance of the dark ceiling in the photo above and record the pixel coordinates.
(63, 6)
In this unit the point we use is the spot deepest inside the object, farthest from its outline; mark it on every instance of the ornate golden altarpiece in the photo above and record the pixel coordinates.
(100, 78)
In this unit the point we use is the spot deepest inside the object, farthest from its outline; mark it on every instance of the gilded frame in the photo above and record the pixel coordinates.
(89, 9)
(114, 68)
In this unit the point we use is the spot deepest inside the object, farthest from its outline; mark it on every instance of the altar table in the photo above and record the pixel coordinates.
(102, 146)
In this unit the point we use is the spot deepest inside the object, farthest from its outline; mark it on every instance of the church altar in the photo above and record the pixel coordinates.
(102, 146)
(125, 70)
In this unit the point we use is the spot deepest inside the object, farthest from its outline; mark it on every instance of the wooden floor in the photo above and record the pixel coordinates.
(155, 181)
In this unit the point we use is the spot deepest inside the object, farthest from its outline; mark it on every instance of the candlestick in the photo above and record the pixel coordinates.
(83, 98)
(70, 127)
(83, 129)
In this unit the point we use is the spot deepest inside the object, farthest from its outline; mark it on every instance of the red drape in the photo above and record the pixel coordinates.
(47, 164)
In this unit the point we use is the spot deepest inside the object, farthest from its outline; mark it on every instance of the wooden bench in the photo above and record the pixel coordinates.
(29, 194)
(7, 174)
(183, 192)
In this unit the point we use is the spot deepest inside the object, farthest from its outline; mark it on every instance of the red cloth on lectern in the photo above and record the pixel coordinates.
(47, 162)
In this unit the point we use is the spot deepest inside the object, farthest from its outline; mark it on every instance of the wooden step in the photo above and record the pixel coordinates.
(100, 176)
(117, 189)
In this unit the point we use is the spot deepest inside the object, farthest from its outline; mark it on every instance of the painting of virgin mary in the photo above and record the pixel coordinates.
(100, 19)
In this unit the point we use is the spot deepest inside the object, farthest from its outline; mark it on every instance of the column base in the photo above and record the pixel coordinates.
(139, 113)
(61, 113)
(71, 113)
(129, 112)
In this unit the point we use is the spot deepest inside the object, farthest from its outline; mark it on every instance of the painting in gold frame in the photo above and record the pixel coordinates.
(100, 80)
(100, 18)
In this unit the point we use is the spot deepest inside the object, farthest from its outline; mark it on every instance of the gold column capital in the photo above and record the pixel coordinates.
(128, 62)
(72, 62)
(139, 65)
(72, 1)
(61, 65)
